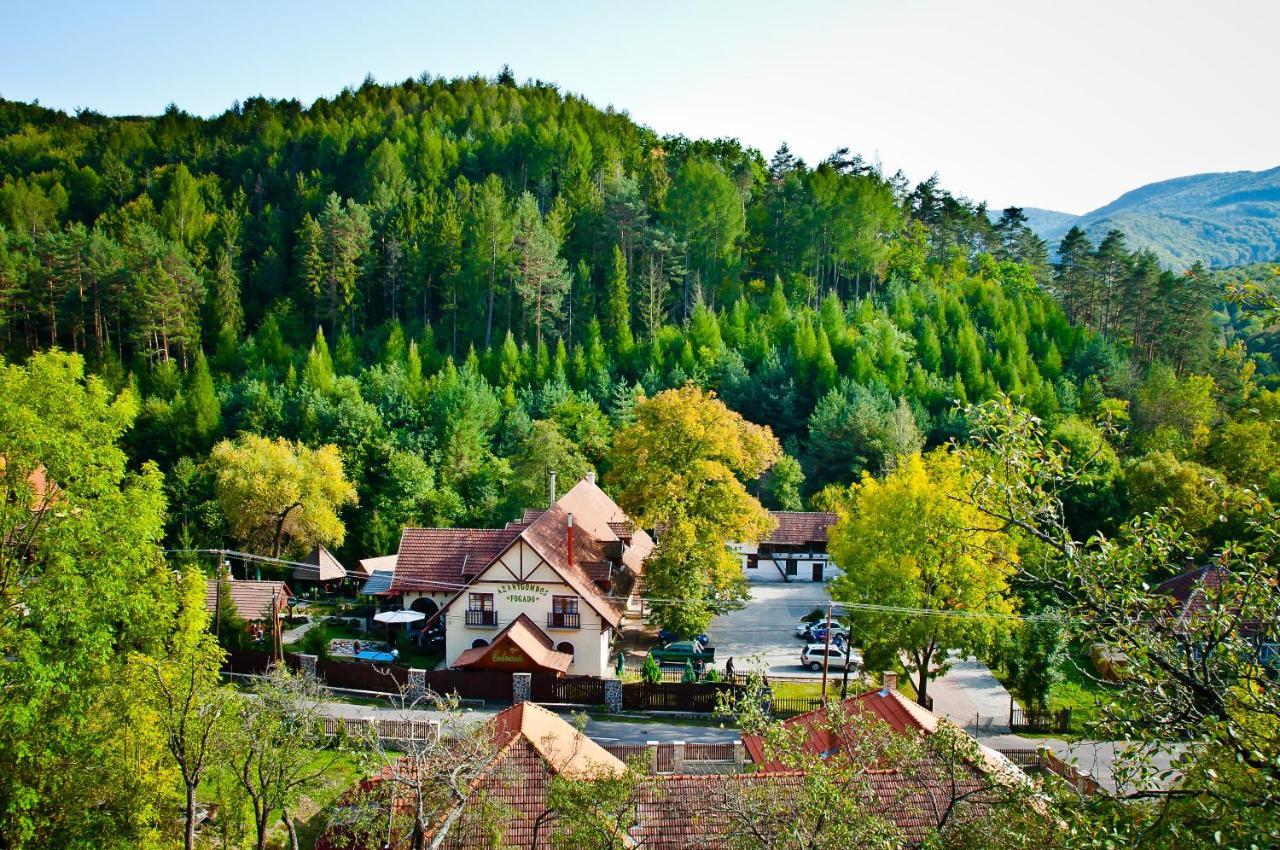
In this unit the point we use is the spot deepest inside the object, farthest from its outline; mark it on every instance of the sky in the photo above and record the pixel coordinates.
(1016, 102)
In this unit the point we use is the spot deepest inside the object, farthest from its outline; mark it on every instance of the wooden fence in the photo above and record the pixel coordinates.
(1045, 760)
(575, 690)
(791, 706)
(354, 676)
(495, 685)
(701, 697)
(1025, 720)
(384, 728)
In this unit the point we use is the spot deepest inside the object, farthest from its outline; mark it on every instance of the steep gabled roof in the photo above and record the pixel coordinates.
(795, 528)
(899, 713)
(529, 640)
(565, 749)
(908, 798)
(253, 600)
(549, 537)
(324, 566)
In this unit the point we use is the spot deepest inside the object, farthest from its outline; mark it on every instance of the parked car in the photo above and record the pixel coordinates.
(818, 634)
(802, 628)
(837, 657)
(682, 651)
(666, 636)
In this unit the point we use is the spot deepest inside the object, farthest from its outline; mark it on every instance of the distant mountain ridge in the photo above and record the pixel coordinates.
(1221, 219)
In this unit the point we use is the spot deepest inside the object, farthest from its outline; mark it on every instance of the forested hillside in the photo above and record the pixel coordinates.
(462, 284)
(1220, 220)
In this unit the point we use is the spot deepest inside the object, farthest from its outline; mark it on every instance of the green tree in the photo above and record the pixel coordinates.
(76, 524)
(688, 456)
(274, 493)
(618, 306)
(544, 450)
(189, 704)
(906, 541)
(782, 485)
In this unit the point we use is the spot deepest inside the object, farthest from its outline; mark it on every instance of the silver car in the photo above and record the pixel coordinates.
(837, 658)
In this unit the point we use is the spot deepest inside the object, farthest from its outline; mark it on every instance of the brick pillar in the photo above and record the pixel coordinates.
(677, 757)
(613, 695)
(417, 683)
(653, 756)
(307, 664)
(521, 687)
(739, 756)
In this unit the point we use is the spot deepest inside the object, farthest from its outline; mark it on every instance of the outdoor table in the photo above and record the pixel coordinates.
(376, 657)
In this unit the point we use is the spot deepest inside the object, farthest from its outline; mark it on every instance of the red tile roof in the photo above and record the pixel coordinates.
(1192, 591)
(446, 559)
(528, 641)
(796, 528)
(252, 599)
(913, 796)
(443, 559)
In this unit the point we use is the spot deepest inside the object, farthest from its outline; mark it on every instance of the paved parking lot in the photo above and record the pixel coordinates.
(764, 632)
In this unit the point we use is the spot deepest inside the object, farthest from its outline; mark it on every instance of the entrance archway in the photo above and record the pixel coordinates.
(425, 605)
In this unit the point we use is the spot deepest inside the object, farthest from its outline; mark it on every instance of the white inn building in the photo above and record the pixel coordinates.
(546, 593)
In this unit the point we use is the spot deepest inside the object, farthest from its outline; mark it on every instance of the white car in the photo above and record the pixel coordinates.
(837, 659)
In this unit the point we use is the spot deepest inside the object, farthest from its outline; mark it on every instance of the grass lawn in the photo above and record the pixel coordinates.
(1078, 690)
(340, 774)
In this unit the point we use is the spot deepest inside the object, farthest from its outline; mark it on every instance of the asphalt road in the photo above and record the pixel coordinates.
(762, 635)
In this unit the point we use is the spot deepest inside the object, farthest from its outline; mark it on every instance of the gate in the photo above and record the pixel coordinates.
(575, 690)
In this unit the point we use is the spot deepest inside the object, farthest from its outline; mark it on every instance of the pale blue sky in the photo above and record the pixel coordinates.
(1054, 104)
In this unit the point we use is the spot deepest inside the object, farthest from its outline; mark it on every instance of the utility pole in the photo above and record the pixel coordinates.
(826, 655)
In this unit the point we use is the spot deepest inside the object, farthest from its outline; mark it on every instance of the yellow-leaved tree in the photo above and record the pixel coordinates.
(276, 493)
(679, 468)
(905, 542)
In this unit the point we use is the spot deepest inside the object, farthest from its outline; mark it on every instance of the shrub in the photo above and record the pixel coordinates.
(315, 642)
(651, 672)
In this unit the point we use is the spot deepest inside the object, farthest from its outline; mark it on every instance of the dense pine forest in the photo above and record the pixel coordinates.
(463, 283)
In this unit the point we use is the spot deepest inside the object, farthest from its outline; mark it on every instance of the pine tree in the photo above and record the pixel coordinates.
(618, 304)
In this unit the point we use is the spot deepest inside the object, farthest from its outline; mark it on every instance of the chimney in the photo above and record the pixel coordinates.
(890, 680)
(569, 537)
(553, 490)
(591, 478)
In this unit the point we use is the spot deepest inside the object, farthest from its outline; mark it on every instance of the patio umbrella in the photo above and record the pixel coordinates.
(398, 616)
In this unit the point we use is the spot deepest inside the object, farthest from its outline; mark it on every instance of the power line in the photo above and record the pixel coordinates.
(843, 607)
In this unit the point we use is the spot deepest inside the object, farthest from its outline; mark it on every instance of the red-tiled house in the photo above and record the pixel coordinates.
(569, 570)
(532, 746)
(1192, 593)
(796, 550)
(671, 812)
(913, 797)
(1207, 590)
